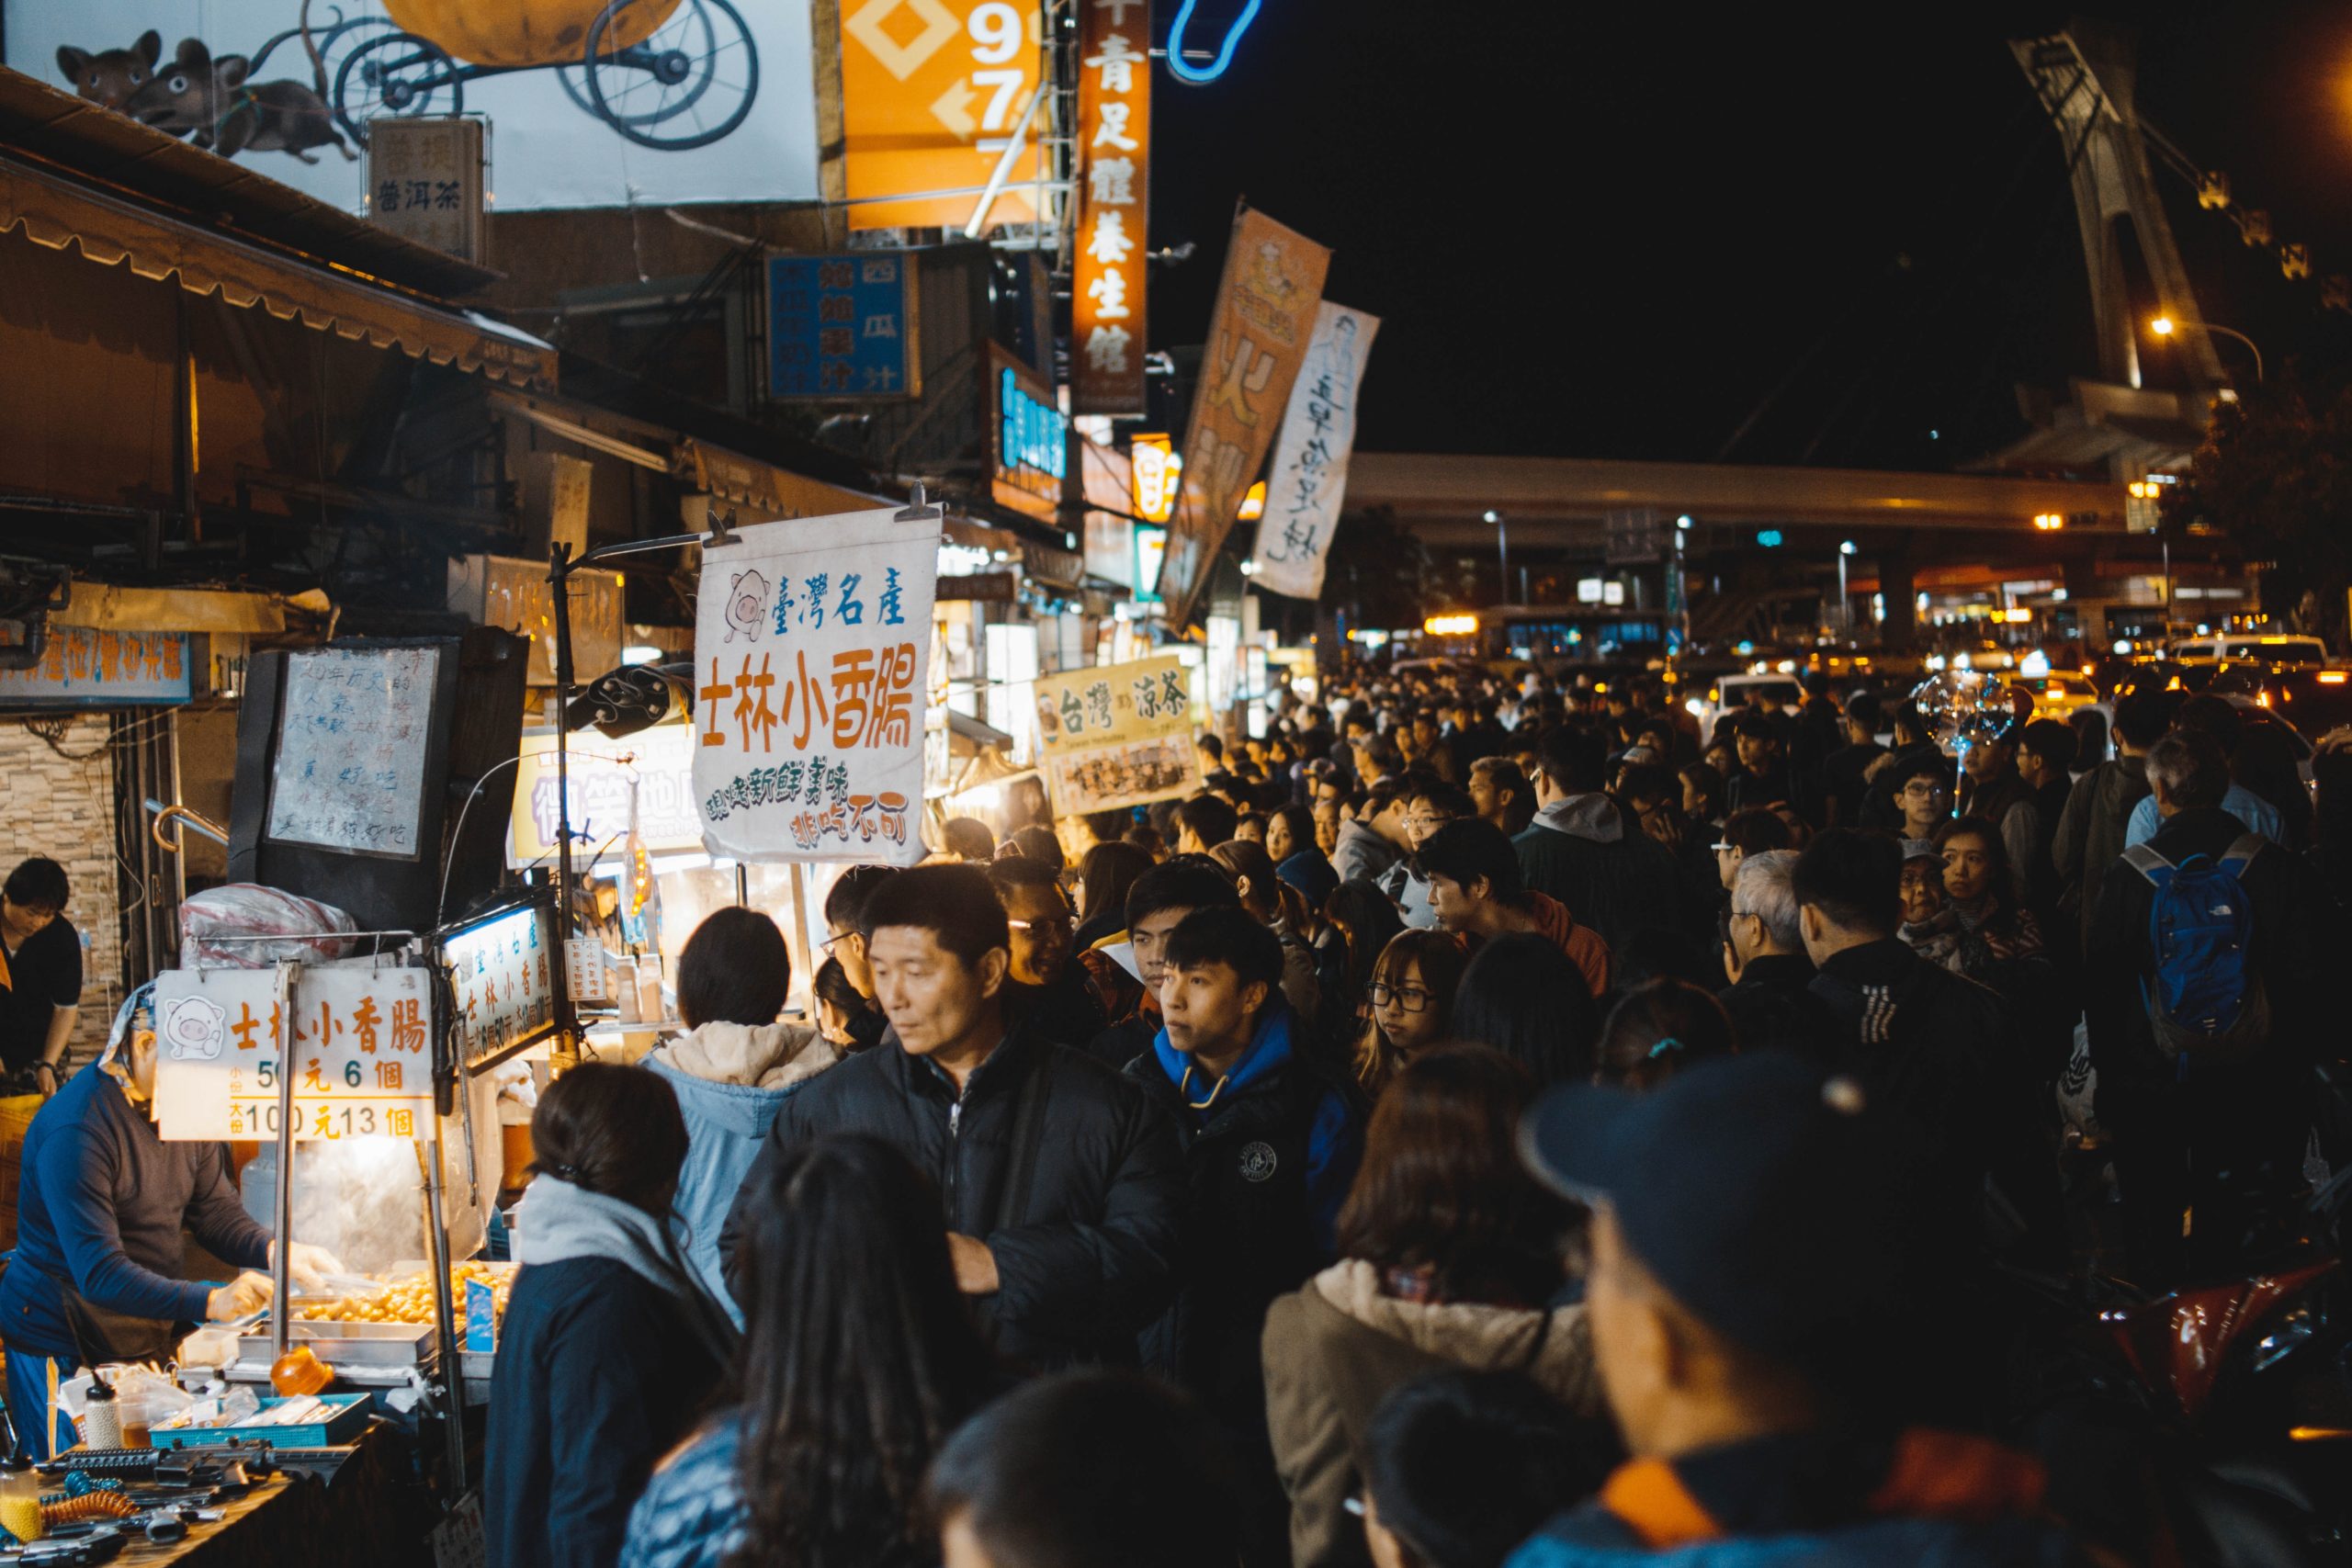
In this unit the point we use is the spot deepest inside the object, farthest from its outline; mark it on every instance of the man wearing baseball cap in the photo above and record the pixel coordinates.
(1745, 1281)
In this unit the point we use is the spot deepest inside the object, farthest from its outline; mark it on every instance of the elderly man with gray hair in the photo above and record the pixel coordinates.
(1764, 957)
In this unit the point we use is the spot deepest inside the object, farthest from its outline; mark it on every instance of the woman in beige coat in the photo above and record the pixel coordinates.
(1450, 1254)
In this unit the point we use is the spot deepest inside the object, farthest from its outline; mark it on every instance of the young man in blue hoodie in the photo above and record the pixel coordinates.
(1271, 1148)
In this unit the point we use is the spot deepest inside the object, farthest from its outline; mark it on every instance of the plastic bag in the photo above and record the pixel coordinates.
(215, 923)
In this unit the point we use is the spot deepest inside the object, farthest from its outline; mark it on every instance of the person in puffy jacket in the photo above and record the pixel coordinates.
(1061, 1186)
(731, 1069)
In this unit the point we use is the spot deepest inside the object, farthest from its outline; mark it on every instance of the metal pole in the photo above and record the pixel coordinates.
(1502, 551)
(559, 581)
(1845, 604)
(436, 1242)
(1004, 163)
(282, 1209)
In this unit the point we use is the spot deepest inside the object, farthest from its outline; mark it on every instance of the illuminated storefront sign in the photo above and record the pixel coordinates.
(1032, 440)
(1114, 204)
(1156, 472)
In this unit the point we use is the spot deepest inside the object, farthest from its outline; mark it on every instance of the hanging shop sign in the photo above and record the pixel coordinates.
(656, 766)
(514, 595)
(842, 327)
(1120, 735)
(1113, 159)
(1155, 469)
(813, 640)
(425, 181)
(501, 981)
(931, 93)
(1265, 315)
(361, 1054)
(82, 668)
(1029, 439)
(1311, 460)
(1151, 550)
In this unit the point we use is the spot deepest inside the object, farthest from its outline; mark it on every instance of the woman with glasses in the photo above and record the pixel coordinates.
(1410, 1001)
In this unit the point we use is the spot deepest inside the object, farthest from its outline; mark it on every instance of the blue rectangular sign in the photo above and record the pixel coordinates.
(84, 668)
(840, 326)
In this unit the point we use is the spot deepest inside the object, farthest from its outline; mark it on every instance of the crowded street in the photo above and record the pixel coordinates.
(1172, 783)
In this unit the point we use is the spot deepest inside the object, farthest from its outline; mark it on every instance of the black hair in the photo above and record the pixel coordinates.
(1386, 757)
(1987, 832)
(1464, 1466)
(861, 1358)
(1208, 817)
(955, 903)
(2051, 740)
(1010, 873)
(832, 985)
(1854, 879)
(1503, 775)
(1369, 920)
(1470, 849)
(1708, 779)
(1525, 997)
(1637, 782)
(1212, 745)
(735, 969)
(1924, 763)
(611, 1130)
(1575, 762)
(968, 836)
(1300, 819)
(1106, 873)
(1757, 829)
(845, 902)
(1107, 825)
(2143, 718)
(2216, 716)
(1193, 882)
(1039, 844)
(1752, 724)
(1659, 1028)
(1231, 938)
(1092, 1468)
(1864, 709)
(37, 882)
(1452, 801)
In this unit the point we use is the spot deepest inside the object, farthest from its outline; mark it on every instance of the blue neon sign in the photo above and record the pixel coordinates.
(1196, 74)
(1032, 436)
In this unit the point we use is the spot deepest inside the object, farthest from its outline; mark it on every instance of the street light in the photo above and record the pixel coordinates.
(1502, 556)
(2165, 326)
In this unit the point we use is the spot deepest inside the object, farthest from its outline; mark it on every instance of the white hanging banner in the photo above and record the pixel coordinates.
(812, 646)
(1310, 474)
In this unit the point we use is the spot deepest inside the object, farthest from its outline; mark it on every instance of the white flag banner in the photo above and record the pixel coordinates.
(812, 640)
(1311, 459)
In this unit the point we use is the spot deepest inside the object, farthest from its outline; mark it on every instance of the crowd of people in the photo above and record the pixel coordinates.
(1486, 1122)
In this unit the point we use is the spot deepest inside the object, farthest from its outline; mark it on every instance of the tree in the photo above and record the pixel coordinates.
(2274, 475)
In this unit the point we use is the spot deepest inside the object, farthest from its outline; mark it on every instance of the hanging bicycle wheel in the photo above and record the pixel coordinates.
(399, 75)
(690, 82)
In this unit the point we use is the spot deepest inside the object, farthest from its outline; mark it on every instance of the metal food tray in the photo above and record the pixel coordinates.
(346, 1343)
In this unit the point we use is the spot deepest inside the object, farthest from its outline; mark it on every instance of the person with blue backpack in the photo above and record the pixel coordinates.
(2199, 1000)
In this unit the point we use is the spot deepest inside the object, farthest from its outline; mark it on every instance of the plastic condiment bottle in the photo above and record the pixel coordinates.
(299, 1372)
(20, 1500)
(101, 1418)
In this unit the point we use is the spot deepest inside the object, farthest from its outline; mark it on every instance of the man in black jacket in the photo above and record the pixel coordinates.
(1770, 999)
(1582, 851)
(1271, 1145)
(2181, 1123)
(1157, 905)
(1062, 1186)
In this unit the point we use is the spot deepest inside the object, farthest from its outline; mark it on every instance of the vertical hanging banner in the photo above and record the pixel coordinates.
(1265, 313)
(931, 91)
(811, 642)
(1311, 459)
(1106, 300)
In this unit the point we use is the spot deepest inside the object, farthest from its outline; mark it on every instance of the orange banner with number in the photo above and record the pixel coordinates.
(931, 92)
(1265, 313)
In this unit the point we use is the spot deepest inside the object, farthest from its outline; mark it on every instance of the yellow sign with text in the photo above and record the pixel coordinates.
(1117, 735)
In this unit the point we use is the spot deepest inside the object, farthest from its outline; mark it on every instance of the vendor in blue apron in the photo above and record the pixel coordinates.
(103, 1199)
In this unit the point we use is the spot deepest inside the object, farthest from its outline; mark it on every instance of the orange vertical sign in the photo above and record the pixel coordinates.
(1265, 314)
(931, 92)
(1107, 302)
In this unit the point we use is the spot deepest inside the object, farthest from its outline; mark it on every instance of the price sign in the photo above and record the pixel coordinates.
(360, 1053)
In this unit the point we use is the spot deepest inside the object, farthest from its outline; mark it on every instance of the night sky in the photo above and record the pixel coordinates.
(1613, 231)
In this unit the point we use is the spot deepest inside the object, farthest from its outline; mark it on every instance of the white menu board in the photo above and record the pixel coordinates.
(349, 773)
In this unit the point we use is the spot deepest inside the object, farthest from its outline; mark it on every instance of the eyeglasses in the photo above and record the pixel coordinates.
(1932, 791)
(1411, 999)
(826, 946)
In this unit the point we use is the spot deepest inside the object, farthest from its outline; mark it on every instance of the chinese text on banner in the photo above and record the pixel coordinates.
(362, 1054)
(1265, 313)
(811, 643)
(1106, 299)
(1120, 735)
(931, 91)
(1311, 460)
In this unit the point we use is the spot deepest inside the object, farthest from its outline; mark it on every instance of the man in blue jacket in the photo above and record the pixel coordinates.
(96, 1276)
(1271, 1148)
(1746, 1297)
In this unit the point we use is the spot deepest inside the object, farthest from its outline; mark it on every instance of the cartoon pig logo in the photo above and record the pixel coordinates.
(747, 605)
(192, 1029)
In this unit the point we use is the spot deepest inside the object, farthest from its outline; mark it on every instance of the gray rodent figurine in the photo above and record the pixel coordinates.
(208, 97)
(109, 77)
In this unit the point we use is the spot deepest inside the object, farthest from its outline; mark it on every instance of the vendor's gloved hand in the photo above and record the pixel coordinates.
(308, 1266)
(248, 1292)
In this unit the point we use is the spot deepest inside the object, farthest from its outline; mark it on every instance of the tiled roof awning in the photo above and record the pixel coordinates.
(58, 213)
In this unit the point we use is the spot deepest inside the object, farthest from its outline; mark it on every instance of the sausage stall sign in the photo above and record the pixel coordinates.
(362, 1057)
(812, 646)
